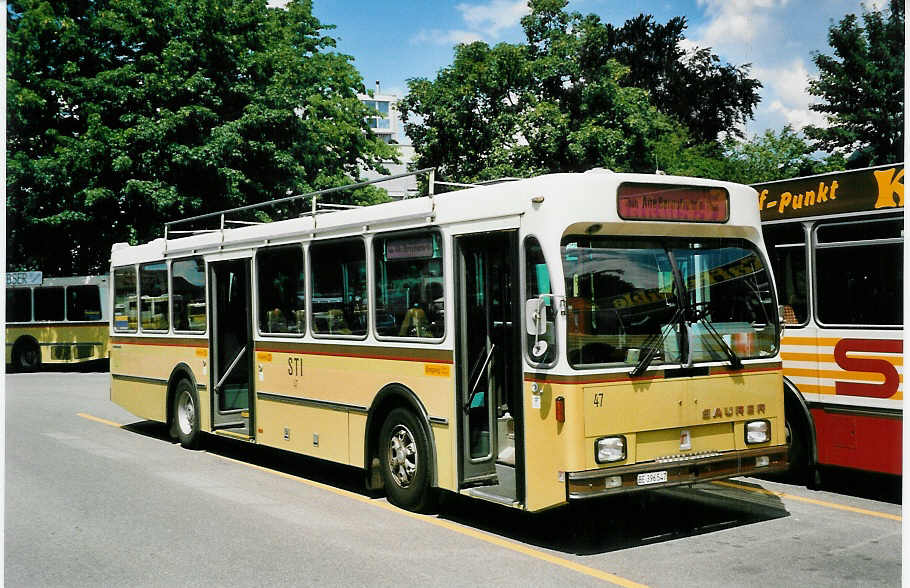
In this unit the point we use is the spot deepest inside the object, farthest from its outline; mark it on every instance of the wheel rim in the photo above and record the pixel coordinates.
(403, 457)
(29, 358)
(186, 413)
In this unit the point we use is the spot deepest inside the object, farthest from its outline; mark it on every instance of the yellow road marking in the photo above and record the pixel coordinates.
(872, 513)
(99, 420)
(577, 567)
(593, 572)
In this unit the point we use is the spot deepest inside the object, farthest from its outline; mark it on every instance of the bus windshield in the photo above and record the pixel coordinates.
(639, 301)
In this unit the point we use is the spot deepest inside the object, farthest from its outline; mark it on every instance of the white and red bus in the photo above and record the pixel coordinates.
(836, 246)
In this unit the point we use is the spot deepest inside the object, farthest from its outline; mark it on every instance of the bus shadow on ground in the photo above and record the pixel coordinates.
(584, 528)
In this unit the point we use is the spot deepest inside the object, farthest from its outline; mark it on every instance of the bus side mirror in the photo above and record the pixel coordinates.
(535, 320)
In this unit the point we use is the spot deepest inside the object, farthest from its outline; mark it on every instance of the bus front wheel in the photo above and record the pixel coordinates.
(404, 458)
(186, 414)
(26, 356)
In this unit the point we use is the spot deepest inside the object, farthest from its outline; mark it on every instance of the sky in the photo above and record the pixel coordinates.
(394, 41)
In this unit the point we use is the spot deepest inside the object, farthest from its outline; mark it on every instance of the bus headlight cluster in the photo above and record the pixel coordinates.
(610, 449)
(758, 432)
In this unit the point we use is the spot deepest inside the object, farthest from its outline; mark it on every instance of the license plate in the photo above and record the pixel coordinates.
(651, 478)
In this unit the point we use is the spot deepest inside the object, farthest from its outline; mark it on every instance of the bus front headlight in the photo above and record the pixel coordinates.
(758, 432)
(610, 449)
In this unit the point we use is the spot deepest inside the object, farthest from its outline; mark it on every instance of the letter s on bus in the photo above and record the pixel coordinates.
(886, 389)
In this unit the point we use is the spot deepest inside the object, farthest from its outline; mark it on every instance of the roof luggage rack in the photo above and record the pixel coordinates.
(316, 207)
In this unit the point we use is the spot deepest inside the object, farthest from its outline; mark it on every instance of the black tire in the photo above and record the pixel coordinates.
(404, 457)
(186, 414)
(798, 450)
(26, 356)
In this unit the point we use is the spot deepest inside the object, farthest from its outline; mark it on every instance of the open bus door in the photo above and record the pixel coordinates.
(489, 366)
(232, 347)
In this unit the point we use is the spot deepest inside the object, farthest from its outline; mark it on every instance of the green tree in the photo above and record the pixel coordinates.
(861, 88)
(775, 156)
(123, 114)
(568, 100)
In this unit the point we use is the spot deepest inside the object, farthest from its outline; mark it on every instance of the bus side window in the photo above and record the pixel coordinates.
(537, 282)
(83, 303)
(154, 296)
(787, 249)
(18, 305)
(409, 286)
(339, 288)
(188, 284)
(50, 304)
(125, 311)
(282, 296)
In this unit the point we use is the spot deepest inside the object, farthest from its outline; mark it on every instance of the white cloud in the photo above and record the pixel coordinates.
(493, 17)
(484, 21)
(734, 23)
(787, 86)
(440, 37)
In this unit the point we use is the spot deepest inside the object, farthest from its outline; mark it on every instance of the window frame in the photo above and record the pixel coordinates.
(308, 264)
(167, 282)
(808, 259)
(816, 246)
(373, 302)
(306, 284)
(523, 265)
(35, 318)
(114, 329)
(100, 303)
(205, 294)
(31, 305)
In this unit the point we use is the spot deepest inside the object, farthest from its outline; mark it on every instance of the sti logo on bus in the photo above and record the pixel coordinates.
(731, 411)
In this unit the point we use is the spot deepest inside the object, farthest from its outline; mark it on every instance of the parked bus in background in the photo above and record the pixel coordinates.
(524, 342)
(56, 320)
(836, 246)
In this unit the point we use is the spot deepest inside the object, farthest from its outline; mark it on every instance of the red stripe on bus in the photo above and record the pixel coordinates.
(357, 355)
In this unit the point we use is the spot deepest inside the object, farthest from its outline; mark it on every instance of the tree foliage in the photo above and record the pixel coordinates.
(123, 114)
(569, 99)
(861, 87)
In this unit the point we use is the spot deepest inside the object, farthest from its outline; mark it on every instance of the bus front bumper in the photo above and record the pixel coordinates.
(675, 471)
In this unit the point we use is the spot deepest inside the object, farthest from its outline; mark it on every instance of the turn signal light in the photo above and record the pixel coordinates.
(560, 409)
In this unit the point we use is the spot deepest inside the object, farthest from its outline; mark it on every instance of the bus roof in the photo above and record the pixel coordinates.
(872, 189)
(557, 199)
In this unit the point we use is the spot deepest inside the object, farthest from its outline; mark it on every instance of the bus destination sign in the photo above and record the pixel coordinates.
(24, 278)
(861, 190)
(673, 203)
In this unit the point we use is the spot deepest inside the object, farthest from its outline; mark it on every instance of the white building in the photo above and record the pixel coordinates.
(386, 124)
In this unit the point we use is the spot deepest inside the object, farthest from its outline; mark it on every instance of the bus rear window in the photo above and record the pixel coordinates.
(49, 303)
(83, 303)
(18, 305)
(153, 281)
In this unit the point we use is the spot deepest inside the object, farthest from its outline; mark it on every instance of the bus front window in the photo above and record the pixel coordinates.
(638, 301)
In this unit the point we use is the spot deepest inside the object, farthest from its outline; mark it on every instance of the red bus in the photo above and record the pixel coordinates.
(836, 245)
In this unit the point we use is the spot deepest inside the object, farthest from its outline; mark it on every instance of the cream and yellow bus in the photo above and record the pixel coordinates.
(526, 342)
(56, 320)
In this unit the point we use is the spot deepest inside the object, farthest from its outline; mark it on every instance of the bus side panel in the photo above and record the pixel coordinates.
(844, 375)
(864, 442)
(551, 448)
(140, 370)
(327, 391)
(62, 343)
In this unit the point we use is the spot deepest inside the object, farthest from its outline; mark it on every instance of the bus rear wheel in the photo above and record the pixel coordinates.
(186, 414)
(404, 458)
(26, 356)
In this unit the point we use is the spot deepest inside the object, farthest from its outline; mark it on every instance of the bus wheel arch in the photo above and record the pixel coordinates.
(390, 398)
(801, 436)
(26, 354)
(180, 373)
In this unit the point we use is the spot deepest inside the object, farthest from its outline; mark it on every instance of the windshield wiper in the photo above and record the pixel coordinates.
(654, 342)
(701, 317)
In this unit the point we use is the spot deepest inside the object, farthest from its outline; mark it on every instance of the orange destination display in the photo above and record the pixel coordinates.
(673, 203)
